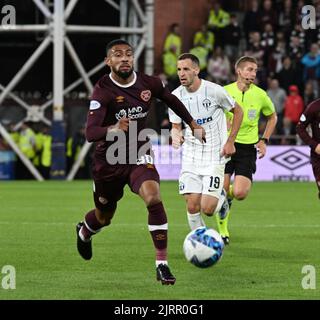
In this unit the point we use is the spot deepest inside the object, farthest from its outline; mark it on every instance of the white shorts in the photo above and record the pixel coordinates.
(205, 184)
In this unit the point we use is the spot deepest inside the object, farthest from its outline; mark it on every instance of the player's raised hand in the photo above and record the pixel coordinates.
(198, 131)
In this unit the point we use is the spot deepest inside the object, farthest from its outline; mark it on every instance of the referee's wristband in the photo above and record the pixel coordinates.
(265, 140)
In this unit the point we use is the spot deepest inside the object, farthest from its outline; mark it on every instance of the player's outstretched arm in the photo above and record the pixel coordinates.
(178, 107)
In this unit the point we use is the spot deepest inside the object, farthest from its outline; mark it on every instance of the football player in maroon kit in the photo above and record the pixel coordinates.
(311, 116)
(116, 122)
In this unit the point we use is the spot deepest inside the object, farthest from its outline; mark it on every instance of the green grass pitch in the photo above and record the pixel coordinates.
(274, 233)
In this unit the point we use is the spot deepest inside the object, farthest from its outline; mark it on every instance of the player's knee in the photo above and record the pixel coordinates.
(240, 194)
(152, 198)
(193, 208)
(208, 210)
(105, 216)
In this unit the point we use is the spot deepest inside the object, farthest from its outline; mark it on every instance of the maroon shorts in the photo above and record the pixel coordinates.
(108, 189)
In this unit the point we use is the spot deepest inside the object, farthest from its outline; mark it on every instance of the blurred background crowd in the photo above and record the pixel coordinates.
(270, 31)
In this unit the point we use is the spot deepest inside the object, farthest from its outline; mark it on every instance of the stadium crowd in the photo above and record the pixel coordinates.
(270, 31)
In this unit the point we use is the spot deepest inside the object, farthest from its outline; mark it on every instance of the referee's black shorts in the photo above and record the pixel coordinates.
(243, 162)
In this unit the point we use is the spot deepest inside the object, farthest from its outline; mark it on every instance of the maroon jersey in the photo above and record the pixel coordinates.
(112, 101)
(311, 116)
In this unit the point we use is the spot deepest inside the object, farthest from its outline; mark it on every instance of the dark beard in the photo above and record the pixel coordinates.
(122, 74)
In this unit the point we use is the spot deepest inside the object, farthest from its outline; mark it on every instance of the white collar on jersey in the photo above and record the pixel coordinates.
(125, 85)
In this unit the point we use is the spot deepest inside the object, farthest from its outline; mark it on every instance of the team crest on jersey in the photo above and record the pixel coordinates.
(119, 99)
(252, 113)
(121, 114)
(145, 95)
(207, 104)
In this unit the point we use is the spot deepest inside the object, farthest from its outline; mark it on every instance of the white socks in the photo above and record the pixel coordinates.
(161, 262)
(195, 220)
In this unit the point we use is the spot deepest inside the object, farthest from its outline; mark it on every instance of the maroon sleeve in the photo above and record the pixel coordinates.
(305, 119)
(172, 101)
(95, 131)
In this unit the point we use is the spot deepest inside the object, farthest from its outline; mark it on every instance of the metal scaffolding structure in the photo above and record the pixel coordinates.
(136, 25)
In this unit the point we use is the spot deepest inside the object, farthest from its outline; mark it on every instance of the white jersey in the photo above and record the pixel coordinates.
(207, 106)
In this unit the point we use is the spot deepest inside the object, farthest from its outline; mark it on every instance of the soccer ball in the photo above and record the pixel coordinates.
(203, 247)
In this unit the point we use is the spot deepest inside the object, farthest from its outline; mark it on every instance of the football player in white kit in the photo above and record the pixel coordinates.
(202, 173)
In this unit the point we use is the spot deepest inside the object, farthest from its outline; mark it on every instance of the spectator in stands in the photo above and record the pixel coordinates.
(171, 52)
(204, 38)
(310, 93)
(14, 133)
(268, 14)
(232, 36)
(296, 50)
(251, 21)
(278, 97)
(293, 109)
(286, 18)
(277, 54)
(267, 41)
(38, 145)
(300, 33)
(311, 63)
(255, 49)
(262, 75)
(202, 54)
(219, 67)
(217, 21)
(288, 75)
(268, 37)
(27, 145)
(45, 156)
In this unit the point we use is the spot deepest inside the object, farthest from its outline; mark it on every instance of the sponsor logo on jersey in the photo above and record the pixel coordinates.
(94, 104)
(131, 113)
(207, 104)
(121, 114)
(145, 95)
(120, 99)
(203, 120)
